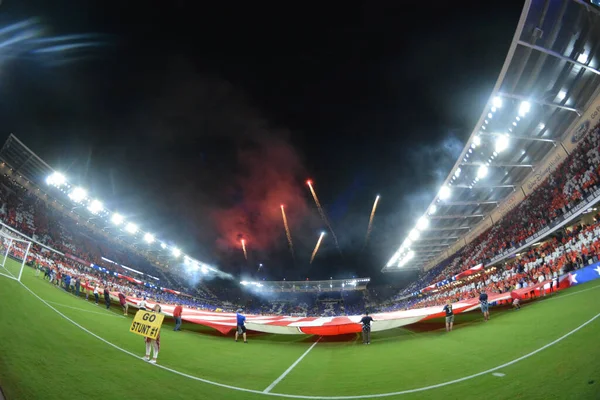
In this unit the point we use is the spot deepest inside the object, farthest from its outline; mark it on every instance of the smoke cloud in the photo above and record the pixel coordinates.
(268, 176)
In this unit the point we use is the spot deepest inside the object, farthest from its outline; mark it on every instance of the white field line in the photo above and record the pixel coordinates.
(287, 371)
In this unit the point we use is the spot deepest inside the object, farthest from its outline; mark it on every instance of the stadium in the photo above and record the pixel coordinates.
(516, 220)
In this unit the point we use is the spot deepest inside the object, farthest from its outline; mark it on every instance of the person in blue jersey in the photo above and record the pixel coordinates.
(449, 316)
(241, 326)
(483, 301)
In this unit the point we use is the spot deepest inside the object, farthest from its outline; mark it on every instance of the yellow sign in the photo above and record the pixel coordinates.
(146, 323)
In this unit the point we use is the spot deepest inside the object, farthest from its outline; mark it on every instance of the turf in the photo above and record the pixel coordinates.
(43, 355)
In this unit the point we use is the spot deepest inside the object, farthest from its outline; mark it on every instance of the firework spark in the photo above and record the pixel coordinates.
(288, 233)
(244, 249)
(370, 227)
(314, 253)
(323, 216)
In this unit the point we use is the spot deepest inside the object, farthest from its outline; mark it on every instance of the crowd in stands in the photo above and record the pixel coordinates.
(565, 187)
(577, 248)
(27, 213)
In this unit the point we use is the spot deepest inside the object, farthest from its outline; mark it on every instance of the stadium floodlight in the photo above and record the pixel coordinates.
(148, 237)
(444, 193)
(524, 108)
(490, 116)
(204, 269)
(541, 125)
(163, 245)
(432, 209)
(56, 179)
(457, 172)
(501, 143)
(176, 252)
(117, 219)
(406, 258)
(582, 58)
(497, 102)
(131, 228)
(477, 141)
(422, 223)
(78, 195)
(562, 95)
(414, 234)
(394, 258)
(482, 172)
(244, 283)
(95, 207)
(407, 243)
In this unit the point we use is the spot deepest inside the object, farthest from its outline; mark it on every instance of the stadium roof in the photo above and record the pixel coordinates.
(308, 286)
(91, 212)
(550, 76)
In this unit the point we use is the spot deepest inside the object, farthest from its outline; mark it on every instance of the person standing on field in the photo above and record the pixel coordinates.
(142, 304)
(241, 326)
(123, 302)
(106, 297)
(485, 307)
(77, 285)
(366, 328)
(153, 344)
(177, 315)
(96, 293)
(449, 316)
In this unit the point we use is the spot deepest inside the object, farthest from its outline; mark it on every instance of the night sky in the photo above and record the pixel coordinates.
(198, 121)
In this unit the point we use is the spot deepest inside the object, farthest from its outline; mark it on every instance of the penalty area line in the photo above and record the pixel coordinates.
(287, 371)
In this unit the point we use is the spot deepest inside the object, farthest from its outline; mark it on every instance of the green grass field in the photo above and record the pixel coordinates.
(43, 355)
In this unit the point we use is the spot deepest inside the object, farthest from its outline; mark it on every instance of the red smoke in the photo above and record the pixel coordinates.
(269, 178)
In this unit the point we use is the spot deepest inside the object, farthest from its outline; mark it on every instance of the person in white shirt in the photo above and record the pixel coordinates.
(142, 304)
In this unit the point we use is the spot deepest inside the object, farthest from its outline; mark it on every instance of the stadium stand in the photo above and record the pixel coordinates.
(83, 250)
(565, 187)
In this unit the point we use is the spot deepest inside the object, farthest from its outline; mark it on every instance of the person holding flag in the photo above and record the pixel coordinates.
(366, 328)
(123, 302)
(449, 316)
(177, 316)
(241, 325)
(485, 308)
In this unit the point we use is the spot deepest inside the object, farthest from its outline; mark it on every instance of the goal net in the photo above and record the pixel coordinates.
(13, 256)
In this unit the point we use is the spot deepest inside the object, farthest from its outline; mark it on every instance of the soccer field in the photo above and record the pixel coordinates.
(56, 346)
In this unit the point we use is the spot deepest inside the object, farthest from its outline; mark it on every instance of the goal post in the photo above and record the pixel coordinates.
(13, 256)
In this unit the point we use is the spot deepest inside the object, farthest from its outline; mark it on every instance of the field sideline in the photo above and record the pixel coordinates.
(43, 355)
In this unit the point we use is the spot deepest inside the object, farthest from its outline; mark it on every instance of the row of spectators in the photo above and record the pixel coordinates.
(564, 189)
(579, 247)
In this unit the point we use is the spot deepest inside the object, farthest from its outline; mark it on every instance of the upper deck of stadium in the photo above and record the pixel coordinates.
(549, 83)
(30, 171)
